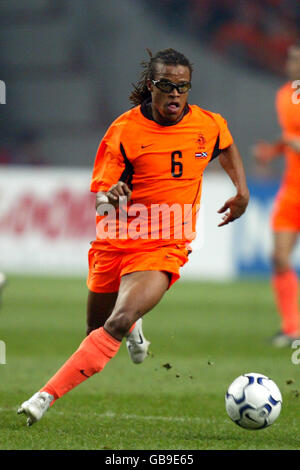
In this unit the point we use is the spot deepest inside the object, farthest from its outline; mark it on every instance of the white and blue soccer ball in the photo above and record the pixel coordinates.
(253, 401)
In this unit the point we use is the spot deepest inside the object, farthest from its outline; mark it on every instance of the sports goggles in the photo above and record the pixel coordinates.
(167, 87)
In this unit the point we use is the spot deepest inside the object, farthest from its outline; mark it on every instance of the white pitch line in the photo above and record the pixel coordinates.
(112, 415)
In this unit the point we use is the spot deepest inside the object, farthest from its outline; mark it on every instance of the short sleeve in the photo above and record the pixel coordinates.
(109, 162)
(225, 137)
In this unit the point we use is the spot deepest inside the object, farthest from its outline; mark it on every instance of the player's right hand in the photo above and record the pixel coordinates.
(117, 192)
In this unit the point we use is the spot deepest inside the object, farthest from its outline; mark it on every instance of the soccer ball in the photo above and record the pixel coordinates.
(253, 401)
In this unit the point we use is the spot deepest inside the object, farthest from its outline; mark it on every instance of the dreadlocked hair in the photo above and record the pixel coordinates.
(167, 57)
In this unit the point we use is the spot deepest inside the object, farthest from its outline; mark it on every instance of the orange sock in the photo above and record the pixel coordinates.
(285, 286)
(92, 355)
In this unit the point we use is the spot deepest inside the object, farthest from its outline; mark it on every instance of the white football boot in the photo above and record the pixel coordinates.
(36, 407)
(137, 344)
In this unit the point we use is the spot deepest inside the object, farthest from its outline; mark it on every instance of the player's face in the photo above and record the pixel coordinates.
(168, 106)
(293, 63)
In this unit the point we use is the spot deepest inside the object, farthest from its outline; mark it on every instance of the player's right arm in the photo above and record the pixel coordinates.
(115, 193)
(110, 168)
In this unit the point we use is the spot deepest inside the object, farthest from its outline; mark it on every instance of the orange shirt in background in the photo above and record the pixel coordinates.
(289, 120)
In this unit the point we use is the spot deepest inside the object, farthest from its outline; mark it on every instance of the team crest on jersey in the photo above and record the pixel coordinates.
(201, 141)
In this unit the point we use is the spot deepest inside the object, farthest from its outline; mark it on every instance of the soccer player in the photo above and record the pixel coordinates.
(285, 221)
(149, 163)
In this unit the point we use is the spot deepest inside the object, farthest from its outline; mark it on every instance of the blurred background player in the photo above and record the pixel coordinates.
(153, 154)
(285, 220)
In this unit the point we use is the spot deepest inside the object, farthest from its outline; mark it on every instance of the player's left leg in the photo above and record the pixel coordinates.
(99, 307)
(139, 292)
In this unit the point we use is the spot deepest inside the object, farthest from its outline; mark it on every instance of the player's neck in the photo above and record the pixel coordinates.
(147, 111)
(159, 119)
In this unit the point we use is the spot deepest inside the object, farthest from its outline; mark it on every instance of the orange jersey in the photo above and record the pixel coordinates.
(164, 166)
(289, 120)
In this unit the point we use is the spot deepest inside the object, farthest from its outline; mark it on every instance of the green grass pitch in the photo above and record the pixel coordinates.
(203, 335)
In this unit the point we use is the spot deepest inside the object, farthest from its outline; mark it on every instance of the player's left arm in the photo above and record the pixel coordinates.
(231, 162)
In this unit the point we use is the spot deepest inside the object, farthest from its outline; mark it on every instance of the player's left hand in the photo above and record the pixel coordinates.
(233, 208)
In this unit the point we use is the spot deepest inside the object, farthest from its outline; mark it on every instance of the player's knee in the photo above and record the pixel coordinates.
(119, 323)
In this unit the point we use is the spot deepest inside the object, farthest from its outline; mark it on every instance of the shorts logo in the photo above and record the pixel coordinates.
(201, 154)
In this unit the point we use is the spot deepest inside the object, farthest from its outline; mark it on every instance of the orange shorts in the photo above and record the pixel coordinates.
(107, 267)
(286, 211)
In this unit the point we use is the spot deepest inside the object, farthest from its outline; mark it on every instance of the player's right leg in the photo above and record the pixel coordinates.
(99, 308)
(285, 287)
(137, 344)
(36, 406)
(139, 292)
